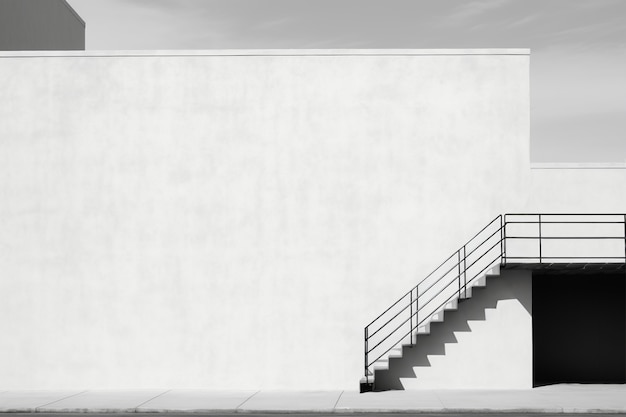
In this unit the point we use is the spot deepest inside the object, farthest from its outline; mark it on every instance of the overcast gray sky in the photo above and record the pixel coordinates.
(578, 60)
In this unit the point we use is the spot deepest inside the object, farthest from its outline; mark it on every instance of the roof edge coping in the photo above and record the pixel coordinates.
(262, 52)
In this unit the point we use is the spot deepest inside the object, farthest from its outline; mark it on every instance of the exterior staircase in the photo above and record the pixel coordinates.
(392, 338)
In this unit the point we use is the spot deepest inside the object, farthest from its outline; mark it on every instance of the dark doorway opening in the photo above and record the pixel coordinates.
(579, 328)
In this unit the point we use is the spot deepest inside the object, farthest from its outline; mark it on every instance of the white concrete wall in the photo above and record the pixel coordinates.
(586, 188)
(574, 188)
(233, 219)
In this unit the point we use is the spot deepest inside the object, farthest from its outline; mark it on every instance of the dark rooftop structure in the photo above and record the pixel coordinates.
(36, 25)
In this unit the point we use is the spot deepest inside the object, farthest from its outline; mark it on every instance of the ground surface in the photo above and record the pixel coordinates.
(561, 399)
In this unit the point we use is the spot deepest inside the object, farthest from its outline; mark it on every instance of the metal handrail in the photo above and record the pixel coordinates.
(454, 266)
(566, 237)
(434, 270)
(455, 275)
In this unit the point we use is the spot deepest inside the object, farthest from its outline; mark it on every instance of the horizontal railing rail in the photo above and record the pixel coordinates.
(517, 237)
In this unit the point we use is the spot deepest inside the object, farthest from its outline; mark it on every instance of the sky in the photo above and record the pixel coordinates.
(578, 47)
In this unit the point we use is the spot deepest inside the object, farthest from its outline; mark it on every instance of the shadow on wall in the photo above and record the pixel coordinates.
(504, 287)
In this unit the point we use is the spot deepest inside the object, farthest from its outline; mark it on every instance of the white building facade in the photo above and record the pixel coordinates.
(233, 219)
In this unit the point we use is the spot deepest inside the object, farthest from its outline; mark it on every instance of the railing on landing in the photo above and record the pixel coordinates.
(514, 238)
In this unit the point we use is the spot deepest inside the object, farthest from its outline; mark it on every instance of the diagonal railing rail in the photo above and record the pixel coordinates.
(517, 237)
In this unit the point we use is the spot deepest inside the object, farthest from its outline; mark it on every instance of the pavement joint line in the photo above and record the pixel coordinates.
(150, 399)
(245, 401)
(337, 402)
(439, 399)
(60, 399)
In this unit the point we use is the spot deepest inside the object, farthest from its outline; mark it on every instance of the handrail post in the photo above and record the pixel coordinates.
(417, 309)
(501, 239)
(458, 264)
(411, 321)
(464, 271)
(540, 257)
(367, 377)
(504, 240)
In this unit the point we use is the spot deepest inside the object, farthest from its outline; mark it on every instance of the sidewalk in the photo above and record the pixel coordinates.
(565, 398)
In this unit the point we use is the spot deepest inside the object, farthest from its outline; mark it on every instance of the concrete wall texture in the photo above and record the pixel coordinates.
(40, 25)
(233, 219)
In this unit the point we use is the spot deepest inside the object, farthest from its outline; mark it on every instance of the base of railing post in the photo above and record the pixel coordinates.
(366, 387)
